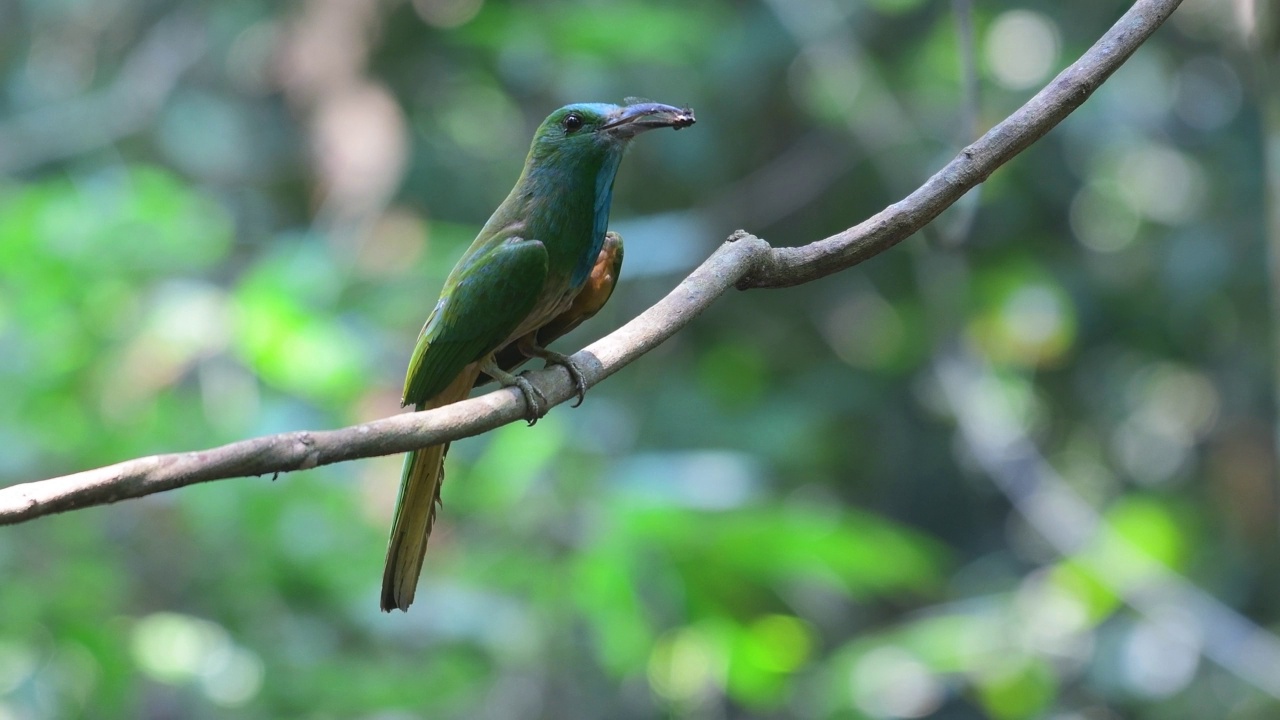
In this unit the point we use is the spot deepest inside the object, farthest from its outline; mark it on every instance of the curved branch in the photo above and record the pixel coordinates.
(795, 265)
(745, 261)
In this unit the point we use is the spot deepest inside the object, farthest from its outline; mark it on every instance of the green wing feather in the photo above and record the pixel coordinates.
(484, 302)
(593, 295)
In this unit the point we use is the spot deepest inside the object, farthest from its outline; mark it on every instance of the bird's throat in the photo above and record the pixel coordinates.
(600, 217)
(568, 211)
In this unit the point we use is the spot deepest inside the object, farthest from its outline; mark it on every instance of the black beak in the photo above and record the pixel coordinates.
(634, 119)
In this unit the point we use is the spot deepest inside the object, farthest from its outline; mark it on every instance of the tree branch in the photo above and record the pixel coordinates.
(796, 265)
(400, 433)
(745, 262)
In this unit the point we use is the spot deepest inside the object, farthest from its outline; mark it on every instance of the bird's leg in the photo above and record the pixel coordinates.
(533, 398)
(528, 345)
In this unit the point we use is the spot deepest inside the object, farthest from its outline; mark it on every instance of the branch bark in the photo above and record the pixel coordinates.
(744, 261)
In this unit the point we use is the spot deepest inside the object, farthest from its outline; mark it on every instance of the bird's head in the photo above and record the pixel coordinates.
(597, 129)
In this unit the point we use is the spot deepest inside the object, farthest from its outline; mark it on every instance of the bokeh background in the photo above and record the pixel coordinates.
(1021, 466)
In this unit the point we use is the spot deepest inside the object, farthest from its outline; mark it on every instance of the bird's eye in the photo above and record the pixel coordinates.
(572, 122)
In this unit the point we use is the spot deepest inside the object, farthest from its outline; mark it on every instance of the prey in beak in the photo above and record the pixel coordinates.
(634, 119)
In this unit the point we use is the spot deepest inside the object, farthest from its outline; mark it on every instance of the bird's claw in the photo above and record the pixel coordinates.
(575, 374)
(533, 399)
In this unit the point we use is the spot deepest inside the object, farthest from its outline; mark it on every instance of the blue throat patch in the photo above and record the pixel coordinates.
(600, 218)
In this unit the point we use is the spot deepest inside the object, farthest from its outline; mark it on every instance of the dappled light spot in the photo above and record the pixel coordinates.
(1005, 404)
(780, 643)
(889, 682)
(179, 649)
(1171, 408)
(171, 647)
(1101, 220)
(1054, 620)
(687, 663)
(1078, 578)
(1029, 322)
(447, 13)
(232, 678)
(1149, 455)
(1162, 183)
(1021, 48)
(1034, 314)
(1146, 525)
(1160, 655)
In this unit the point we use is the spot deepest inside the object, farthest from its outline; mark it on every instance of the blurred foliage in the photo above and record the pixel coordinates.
(219, 220)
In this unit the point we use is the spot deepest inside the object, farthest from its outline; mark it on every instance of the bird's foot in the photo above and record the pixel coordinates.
(551, 357)
(534, 400)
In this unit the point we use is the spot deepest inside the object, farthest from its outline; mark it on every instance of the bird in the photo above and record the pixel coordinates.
(542, 264)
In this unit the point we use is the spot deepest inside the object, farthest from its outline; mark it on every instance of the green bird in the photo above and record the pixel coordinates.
(541, 265)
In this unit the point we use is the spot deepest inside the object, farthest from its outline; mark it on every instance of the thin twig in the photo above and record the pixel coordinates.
(796, 265)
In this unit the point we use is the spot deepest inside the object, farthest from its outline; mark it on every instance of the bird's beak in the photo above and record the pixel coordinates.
(631, 120)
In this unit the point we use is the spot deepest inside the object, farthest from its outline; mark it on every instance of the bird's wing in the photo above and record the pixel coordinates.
(478, 311)
(593, 295)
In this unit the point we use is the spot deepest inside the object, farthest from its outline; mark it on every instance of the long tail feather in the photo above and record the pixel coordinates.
(416, 507)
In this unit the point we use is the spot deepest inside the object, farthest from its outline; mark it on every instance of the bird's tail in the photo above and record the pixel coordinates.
(416, 506)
